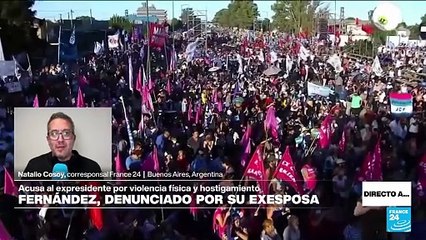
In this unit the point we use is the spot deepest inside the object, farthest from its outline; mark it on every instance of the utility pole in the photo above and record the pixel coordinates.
(205, 32)
(148, 54)
(91, 18)
(71, 17)
(335, 23)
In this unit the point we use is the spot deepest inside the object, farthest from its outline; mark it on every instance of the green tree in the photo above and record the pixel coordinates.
(380, 37)
(266, 24)
(85, 18)
(176, 24)
(402, 24)
(222, 18)
(16, 26)
(423, 20)
(119, 22)
(242, 13)
(17, 13)
(293, 16)
(414, 31)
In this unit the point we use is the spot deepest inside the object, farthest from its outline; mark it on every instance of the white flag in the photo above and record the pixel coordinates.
(262, 56)
(240, 63)
(43, 211)
(130, 73)
(303, 53)
(336, 62)
(306, 72)
(29, 70)
(274, 56)
(72, 38)
(98, 48)
(1, 51)
(114, 41)
(190, 51)
(288, 64)
(377, 68)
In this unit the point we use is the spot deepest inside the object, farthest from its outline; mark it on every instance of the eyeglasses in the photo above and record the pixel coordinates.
(66, 134)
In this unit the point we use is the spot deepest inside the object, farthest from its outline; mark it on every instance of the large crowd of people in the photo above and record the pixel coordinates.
(198, 118)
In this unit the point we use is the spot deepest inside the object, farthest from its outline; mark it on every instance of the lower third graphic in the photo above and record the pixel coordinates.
(398, 219)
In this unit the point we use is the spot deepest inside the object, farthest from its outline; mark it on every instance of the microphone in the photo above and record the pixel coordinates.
(60, 172)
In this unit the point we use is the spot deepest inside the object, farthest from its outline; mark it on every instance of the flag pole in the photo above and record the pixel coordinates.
(148, 54)
(165, 56)
(69, 225)
(129, 131)
(59, 43)
(173, 32)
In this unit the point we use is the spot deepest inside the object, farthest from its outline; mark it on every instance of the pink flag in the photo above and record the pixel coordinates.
(246, 154)
(80, 99)
(193, 207)
(220, 106)
(255, 170)
(214, 96)
(311, 177)
(360, 176)
(198, 114)
(151, 163)
(421, 182)
(82, 81)
(35, 101)
(217, 228)
(189, 111)
(377, 161)
(139, 81)
(4, 234)
(150, 82)
(271, 122)
(9, 185)
(95, 214)
(325, 132)
(371, 169)
(342, 142)
(169, 86)
(146, 99)
(155, 159)
(118, 166)
(287, 172)
(247, 135)
(173, 60)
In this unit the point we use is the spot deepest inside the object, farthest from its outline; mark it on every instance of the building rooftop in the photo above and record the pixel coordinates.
(348, 21)
(136, 18)
(150, 8)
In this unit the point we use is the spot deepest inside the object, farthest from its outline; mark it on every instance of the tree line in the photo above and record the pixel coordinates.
(292, 17)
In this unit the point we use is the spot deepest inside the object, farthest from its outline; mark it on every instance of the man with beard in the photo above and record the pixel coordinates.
(61, 138)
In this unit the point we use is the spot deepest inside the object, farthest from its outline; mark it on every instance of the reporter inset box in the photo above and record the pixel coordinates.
(384, 194)
(92, 132)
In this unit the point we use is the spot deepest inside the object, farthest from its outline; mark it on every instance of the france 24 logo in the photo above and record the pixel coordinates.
(398, 219)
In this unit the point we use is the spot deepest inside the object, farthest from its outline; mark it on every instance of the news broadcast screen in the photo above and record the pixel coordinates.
(149, 121)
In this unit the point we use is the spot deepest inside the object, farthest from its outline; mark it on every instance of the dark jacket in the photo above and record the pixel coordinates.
(46, 162)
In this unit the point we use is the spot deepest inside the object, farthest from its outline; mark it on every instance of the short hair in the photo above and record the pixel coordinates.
(267, 223)
(61, 115)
